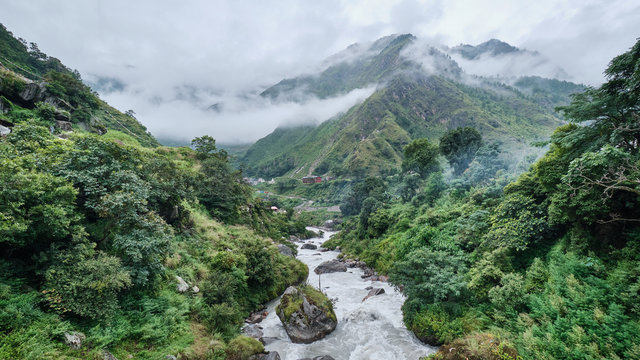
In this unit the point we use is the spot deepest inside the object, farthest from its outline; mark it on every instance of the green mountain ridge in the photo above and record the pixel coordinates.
(410, 102)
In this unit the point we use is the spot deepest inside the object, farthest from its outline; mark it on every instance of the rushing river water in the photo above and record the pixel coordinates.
(372, 329)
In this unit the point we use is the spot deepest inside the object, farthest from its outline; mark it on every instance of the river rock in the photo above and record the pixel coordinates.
(374, 292)
(253, 331)
(323, 357)
(74, 339)
(305, 320)
(332, 224)
(330, 267)
(256, 317)
(182, 286)
(309, 246)
(266, 340)
(285, 250)
(272, 355)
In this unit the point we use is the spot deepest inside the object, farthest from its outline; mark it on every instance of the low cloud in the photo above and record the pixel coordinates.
(232, 119)
(523, 63)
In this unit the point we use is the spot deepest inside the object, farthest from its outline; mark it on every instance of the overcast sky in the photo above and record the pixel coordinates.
(177, 57)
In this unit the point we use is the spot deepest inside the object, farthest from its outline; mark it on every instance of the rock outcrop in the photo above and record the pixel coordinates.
(253, 330)
(306, 313)
(374, 292)
(74, 339)
(330, 267)
(285, 250)
(182, 285)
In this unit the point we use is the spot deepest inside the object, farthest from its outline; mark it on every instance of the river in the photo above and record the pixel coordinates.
(372, 329)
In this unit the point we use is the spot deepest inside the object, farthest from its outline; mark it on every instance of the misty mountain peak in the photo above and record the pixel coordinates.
(492, 47)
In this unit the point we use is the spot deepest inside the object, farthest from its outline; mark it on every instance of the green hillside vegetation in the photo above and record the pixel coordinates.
(369, 138)
(95, 229)
(544, 265)
(547, 92)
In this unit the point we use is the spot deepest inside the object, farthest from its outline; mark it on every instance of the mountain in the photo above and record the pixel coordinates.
(492, 47)
(30, 79)
(422, 92)
(500, 59)
(357, 67)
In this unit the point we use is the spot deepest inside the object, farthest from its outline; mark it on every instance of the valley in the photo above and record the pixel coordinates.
(462, 208)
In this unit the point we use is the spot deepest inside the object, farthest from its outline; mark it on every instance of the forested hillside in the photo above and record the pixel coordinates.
(111, 248)
(544, 265)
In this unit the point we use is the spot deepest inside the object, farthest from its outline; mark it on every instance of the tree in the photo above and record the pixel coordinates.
(370, 187)
(600, 187)
(613, 108)
(205, 147)
(431, 276)
(85, 282)
(487, 161)
(420, 156)
(459, 147)
(517, 222)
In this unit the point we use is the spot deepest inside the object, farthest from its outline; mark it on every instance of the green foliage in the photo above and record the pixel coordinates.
(434, 187)
(421, 156)
(459, 147)
(518, 222)
(480, 346)
(35, 208)
(96, 231)
(371, 187)
(242, 347)
(84, 282)
(431, 275)
(598, 187)
(435, 325)
(221, 189)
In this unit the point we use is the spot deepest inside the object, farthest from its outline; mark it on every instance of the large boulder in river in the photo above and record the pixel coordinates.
(309, 246)
(330, 267)
(306, 313)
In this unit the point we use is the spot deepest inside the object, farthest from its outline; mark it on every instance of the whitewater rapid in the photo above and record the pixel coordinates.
(372, 329)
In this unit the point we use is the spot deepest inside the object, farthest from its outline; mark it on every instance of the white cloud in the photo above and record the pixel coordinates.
(241, 119)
